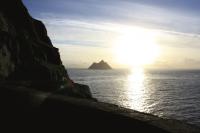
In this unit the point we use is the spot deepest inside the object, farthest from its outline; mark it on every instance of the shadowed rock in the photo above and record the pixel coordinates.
(30, 110)
(27, 56)
(35, 87)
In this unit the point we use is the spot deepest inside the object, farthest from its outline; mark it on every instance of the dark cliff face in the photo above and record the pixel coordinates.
(27, 54)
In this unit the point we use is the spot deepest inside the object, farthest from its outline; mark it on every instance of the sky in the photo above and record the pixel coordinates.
(87, 31)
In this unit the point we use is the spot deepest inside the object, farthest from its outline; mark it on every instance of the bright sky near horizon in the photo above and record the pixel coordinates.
(153, 33)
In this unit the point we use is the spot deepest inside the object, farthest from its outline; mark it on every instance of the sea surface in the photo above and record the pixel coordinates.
(165, 93)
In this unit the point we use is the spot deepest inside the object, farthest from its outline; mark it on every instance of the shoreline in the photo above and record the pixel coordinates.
(36, 89)
(111, 86)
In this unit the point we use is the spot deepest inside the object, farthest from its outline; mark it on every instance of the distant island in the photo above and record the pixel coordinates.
(102, 65)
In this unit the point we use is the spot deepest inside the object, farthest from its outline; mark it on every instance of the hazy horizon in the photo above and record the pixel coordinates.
(130, 69)
(150, 33)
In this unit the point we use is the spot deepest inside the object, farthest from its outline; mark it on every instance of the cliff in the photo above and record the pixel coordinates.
(102, 65)
(27, 56)
(34, 85)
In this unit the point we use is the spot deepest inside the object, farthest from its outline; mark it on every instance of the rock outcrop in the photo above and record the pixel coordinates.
(30, 65)
(32, 110)
(102, 65)
(27, 56)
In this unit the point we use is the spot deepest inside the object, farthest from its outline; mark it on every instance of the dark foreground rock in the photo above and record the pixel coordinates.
(28, 110)
(35, 87)
(27, 56)
(102, 65)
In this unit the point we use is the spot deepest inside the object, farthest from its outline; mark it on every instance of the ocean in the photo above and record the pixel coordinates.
(166, 93)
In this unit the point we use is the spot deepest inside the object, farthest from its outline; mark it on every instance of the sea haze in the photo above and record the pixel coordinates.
(165, 93)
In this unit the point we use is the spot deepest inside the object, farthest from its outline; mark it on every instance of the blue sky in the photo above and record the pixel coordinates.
(123, 11)
(80, 24)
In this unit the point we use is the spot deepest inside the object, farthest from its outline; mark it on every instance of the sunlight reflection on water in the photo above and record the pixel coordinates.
(136, 89)
(169, 94)
(136, 92)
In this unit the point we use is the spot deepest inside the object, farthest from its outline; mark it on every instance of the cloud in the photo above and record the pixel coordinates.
(167, 15)
(96, 23)
(191, 61)
(101, 34)
(66, 31)
(178, 40)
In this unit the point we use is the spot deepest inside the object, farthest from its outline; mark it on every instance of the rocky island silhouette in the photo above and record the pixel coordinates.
(38, 95)
(102, 65)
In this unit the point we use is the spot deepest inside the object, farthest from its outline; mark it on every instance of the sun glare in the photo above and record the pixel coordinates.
(136, 47)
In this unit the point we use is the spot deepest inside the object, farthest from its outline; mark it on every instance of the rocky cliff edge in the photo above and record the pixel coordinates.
(27, 56)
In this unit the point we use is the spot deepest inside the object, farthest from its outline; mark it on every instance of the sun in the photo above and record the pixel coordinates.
(136, 47)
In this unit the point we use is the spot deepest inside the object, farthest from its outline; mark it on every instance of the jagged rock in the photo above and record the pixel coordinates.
(26, 51)
(27, 56)
(101, 65)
